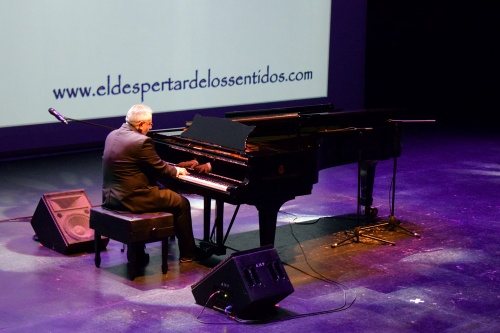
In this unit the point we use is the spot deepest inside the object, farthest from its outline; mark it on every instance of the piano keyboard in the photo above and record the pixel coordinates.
(205, 181)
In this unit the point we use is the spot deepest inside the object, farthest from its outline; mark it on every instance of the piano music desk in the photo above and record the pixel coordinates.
(132, 229)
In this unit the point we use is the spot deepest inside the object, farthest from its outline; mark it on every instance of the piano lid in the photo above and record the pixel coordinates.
(218, 131)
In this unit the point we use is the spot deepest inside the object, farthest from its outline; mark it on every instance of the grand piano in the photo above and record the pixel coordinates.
(267, 157)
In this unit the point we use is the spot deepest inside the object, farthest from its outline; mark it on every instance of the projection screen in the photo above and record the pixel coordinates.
(92, 60)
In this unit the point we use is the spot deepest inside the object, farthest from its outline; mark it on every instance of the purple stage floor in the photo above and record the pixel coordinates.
(447, 280)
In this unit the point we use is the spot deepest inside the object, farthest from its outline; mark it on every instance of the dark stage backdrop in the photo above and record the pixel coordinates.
(92, 60)
(436, 59)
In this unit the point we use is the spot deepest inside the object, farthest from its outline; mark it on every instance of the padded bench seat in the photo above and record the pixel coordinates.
(133, 230)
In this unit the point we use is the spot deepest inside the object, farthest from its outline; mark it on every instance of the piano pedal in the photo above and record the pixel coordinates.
(371, 211)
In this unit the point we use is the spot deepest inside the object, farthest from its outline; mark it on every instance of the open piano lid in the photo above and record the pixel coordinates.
(218, 131)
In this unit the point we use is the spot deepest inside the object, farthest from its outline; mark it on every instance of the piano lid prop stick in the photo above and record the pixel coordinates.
(347, 129)
(411, 120)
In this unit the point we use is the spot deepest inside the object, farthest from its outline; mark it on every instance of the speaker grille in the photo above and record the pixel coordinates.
(77, 227)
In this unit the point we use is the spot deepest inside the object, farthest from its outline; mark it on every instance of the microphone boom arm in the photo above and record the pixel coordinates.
(89, 123)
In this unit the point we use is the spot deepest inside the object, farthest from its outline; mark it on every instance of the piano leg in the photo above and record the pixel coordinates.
(207, 210)
(219, 223)
(218, 228)
(367, 179)
(268, 216)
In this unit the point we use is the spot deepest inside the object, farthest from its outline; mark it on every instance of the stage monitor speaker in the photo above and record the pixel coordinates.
(248, 284)
(61, 222)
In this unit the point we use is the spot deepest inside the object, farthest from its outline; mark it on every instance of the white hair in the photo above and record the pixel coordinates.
(138, 112)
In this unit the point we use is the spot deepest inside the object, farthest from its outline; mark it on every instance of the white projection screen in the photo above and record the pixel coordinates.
(91, 60)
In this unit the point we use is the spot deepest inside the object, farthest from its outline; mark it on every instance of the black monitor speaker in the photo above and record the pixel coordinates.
(61, 222)
(247, 284)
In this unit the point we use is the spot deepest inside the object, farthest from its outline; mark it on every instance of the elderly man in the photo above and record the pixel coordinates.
(131, 172)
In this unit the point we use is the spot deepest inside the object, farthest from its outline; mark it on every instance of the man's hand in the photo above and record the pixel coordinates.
(181, 171)
(188, 164)
(203, 168)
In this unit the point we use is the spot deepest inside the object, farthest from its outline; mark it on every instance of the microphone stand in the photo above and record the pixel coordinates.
(89, 123)
(392, 222)
(358, 230)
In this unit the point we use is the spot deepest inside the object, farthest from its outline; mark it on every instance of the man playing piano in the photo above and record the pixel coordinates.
(132, 177)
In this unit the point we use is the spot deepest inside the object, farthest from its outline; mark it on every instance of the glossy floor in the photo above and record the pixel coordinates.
(446, 280)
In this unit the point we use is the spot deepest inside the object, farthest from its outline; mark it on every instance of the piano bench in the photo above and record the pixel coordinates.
(132, 230)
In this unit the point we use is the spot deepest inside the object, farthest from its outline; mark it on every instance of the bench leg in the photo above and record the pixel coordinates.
(97, 249)
(164, 256)
(132, 260)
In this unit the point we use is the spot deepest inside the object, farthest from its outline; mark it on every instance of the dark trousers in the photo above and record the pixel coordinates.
(180, 207)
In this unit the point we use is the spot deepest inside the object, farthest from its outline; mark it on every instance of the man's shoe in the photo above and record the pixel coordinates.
(201, 255)
(186, 260)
